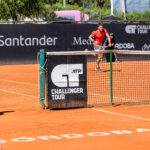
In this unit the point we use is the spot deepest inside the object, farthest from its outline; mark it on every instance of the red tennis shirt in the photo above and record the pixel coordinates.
(99, 36)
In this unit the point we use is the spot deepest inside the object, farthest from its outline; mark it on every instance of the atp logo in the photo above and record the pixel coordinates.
(67, 75)
(130, 29)
(146, 47)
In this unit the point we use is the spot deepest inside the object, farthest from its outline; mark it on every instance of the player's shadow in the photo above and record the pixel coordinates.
(114, 70)
(4, 112)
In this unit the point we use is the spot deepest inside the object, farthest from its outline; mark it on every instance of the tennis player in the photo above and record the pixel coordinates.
(97, 38)
(112, 47)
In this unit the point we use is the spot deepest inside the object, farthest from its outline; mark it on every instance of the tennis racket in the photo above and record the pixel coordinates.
(98, 48)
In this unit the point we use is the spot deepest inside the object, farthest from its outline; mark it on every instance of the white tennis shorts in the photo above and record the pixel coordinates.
(97, 47)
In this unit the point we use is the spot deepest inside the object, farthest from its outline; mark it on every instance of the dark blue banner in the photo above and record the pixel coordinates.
(20, 43)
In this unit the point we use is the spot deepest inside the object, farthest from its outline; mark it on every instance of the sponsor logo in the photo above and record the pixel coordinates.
(81, 41)
(146, 47)
(66, 136)
(125, 45)
(66, 76)
(137, 29)
(27, 41)
(130, 29)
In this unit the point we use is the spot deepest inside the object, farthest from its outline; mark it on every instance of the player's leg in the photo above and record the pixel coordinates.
(116, 58)
(99, 57)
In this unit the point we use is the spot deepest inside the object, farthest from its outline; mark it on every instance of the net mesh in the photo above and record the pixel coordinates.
(131, 76)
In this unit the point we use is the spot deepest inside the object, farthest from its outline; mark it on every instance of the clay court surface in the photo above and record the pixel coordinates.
(24, 126)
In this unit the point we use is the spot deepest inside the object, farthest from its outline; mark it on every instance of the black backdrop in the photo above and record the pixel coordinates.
(20, 43)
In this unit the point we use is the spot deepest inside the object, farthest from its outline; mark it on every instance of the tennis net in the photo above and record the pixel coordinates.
(126, 80)
(131, 77)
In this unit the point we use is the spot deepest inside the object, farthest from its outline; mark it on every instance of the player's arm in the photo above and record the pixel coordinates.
(114, 45)
(109, 40)
(91, 38)
(105, 42)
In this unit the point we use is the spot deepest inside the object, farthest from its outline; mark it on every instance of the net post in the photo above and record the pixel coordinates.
(42, 78)
(111, 79)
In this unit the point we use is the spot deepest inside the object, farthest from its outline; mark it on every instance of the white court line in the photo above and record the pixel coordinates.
(118, 114)
(122, 81)
(25, 83)
(22, 94)
(120, 98)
